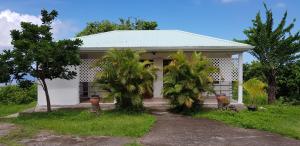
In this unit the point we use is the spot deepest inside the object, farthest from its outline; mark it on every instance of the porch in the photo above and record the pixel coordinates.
(228, 77)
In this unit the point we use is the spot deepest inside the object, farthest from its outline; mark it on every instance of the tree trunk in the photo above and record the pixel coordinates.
(271, 87)
(47, 95)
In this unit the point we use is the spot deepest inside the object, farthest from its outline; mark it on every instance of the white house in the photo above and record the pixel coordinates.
(158, 44)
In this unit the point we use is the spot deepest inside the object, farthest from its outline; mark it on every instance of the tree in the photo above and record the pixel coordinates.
(126, 78)
(124, 24)
(274, 47)
(5, 69)
(253, 70)
(35, 53)
(186, 80)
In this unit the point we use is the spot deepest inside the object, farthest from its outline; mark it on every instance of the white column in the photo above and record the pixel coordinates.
(240, 78)
(158, 83)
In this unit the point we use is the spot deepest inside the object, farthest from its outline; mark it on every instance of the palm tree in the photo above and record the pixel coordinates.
(185, 81)
(126, 77)
(274, 46)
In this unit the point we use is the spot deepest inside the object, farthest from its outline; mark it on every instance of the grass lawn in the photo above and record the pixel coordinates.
(280, 119)
(7, 109)
(81, 122)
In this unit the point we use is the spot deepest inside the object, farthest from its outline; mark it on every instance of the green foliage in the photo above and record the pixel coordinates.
(35, 53)
(126, 78)
(13, 94)
(289, 82)
(247, 99)
(82, 122)
(253, 70)
(185, 80)
(288, 78)
(274, 47)
(282, 119)
(124, 24)
(5, 69)
(255, 90)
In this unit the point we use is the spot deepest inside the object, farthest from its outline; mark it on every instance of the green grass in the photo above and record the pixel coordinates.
(282, 119)
(7, 109)
(82, 122)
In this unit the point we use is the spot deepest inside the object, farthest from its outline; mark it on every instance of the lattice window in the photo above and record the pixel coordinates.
(228, 69)
(87, 71)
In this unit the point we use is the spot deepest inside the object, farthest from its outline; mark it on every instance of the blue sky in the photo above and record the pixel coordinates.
(219, 18)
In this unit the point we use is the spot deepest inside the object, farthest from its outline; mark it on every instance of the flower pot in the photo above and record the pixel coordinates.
(222, 100)
(94, 100)
(252, 107)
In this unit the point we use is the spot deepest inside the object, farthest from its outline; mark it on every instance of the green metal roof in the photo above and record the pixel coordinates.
(164, 40)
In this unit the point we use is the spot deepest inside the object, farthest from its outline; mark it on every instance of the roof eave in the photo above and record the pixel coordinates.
(175, 48)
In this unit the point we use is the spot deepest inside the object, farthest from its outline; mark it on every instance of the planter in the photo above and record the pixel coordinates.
(222, 100)
(252, 108)
(94, 100)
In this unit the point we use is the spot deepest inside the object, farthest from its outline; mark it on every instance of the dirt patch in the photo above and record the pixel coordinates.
(177, 130)
(5, 128)
(48, 139)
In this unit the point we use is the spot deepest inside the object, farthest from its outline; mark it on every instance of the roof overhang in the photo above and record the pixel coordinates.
(171, 49)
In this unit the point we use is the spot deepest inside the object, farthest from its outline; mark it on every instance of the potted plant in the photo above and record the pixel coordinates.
(94, 100)
(223, 100)
(255, 89)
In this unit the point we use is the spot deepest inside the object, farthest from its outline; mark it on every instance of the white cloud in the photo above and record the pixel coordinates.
(11, 20)
(281, 5)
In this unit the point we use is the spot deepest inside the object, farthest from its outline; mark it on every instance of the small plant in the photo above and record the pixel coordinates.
(255, 89)
(126, 78)
(186, 80)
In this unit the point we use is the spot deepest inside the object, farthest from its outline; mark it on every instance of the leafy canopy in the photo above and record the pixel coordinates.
(273, 46)
(185, 80)
(35, 53)
(126, 77)
(124, 24)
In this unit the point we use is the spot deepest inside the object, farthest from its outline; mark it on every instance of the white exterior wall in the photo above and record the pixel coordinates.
(61, 92)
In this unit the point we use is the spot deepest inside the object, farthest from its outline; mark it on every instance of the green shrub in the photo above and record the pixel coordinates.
(126, 78)
(255, 93)
(13, 94)
(186, 80)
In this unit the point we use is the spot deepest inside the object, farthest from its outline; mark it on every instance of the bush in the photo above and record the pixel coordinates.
(185, 81)
(13, 94)
(255, 93)
(126, 78)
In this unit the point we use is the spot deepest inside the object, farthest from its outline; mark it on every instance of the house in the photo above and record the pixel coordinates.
(158, 44)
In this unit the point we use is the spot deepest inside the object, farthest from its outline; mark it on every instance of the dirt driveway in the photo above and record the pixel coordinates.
(177, 130)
